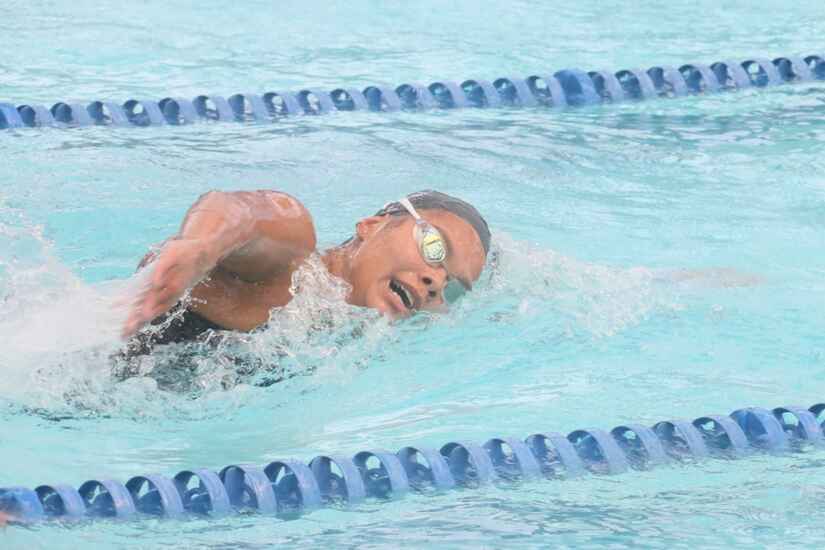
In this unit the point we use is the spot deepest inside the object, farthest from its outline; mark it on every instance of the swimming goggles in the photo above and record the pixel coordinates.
(433, 250)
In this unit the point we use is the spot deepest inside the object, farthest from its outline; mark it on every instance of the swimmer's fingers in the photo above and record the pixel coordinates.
(134, 301)
(168, 284)
(130, 327)
(174, 272)
(133, 294)
(159, 304)
(155, 297)
(147, 309)
(135, 321)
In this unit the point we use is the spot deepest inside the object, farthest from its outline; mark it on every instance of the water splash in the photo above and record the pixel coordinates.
(317, 331)
(596, 299)
(55, 328)
(61, 348)
(60, 336)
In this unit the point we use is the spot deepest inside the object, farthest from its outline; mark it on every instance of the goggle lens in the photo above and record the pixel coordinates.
(433, 250)
(431, 243)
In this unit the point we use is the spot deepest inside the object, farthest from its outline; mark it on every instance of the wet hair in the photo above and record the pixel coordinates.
(435, 200)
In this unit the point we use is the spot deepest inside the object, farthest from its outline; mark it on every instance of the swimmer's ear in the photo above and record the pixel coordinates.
(367, 227)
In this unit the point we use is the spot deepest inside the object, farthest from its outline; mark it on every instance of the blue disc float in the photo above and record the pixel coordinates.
(288, 488)
(568, 87)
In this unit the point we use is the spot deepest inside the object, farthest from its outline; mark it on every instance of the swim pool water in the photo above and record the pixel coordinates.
(577, 327)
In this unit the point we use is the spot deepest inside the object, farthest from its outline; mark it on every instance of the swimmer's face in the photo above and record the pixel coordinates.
(388, 272)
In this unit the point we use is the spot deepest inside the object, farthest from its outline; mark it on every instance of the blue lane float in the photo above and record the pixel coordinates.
(289, 488)
(560, 89)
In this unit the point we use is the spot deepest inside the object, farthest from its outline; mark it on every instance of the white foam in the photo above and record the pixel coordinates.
(58, 334)
(598, 299)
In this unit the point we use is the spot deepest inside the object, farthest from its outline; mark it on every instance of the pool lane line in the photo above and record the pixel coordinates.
(554, 90)
(289, 488)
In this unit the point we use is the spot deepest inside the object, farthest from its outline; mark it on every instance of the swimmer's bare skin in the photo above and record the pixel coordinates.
(4, 519)
(237, 252)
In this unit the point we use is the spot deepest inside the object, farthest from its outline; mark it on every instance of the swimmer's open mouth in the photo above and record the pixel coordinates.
(402, 292)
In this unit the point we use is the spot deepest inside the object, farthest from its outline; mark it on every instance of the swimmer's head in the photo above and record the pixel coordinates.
(399, 264)
(435, 200)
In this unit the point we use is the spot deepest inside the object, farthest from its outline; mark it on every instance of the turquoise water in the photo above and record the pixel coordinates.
(657, 260)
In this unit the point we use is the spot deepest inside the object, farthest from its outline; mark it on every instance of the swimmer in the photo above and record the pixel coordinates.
(237, 251)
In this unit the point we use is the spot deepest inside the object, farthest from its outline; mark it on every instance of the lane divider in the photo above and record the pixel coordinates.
(565, 88)
(289, 488)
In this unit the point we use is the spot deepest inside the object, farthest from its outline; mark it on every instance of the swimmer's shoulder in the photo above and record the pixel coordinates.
(300, 227)
(291, 212)
(281, 235)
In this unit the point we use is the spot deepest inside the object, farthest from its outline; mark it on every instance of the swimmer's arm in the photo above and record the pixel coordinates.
(253, 234)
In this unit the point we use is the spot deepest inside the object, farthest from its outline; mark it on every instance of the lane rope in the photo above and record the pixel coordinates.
(288, 488)
(565, 88)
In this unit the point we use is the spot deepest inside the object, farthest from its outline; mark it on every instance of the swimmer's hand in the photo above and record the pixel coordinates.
(5, 519)
(180, 265)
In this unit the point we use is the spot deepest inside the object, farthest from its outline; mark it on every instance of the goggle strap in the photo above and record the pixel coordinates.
(420, 231)
(405, 202)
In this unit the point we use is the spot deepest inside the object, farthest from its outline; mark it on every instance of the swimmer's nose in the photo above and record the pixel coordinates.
(433, 282)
